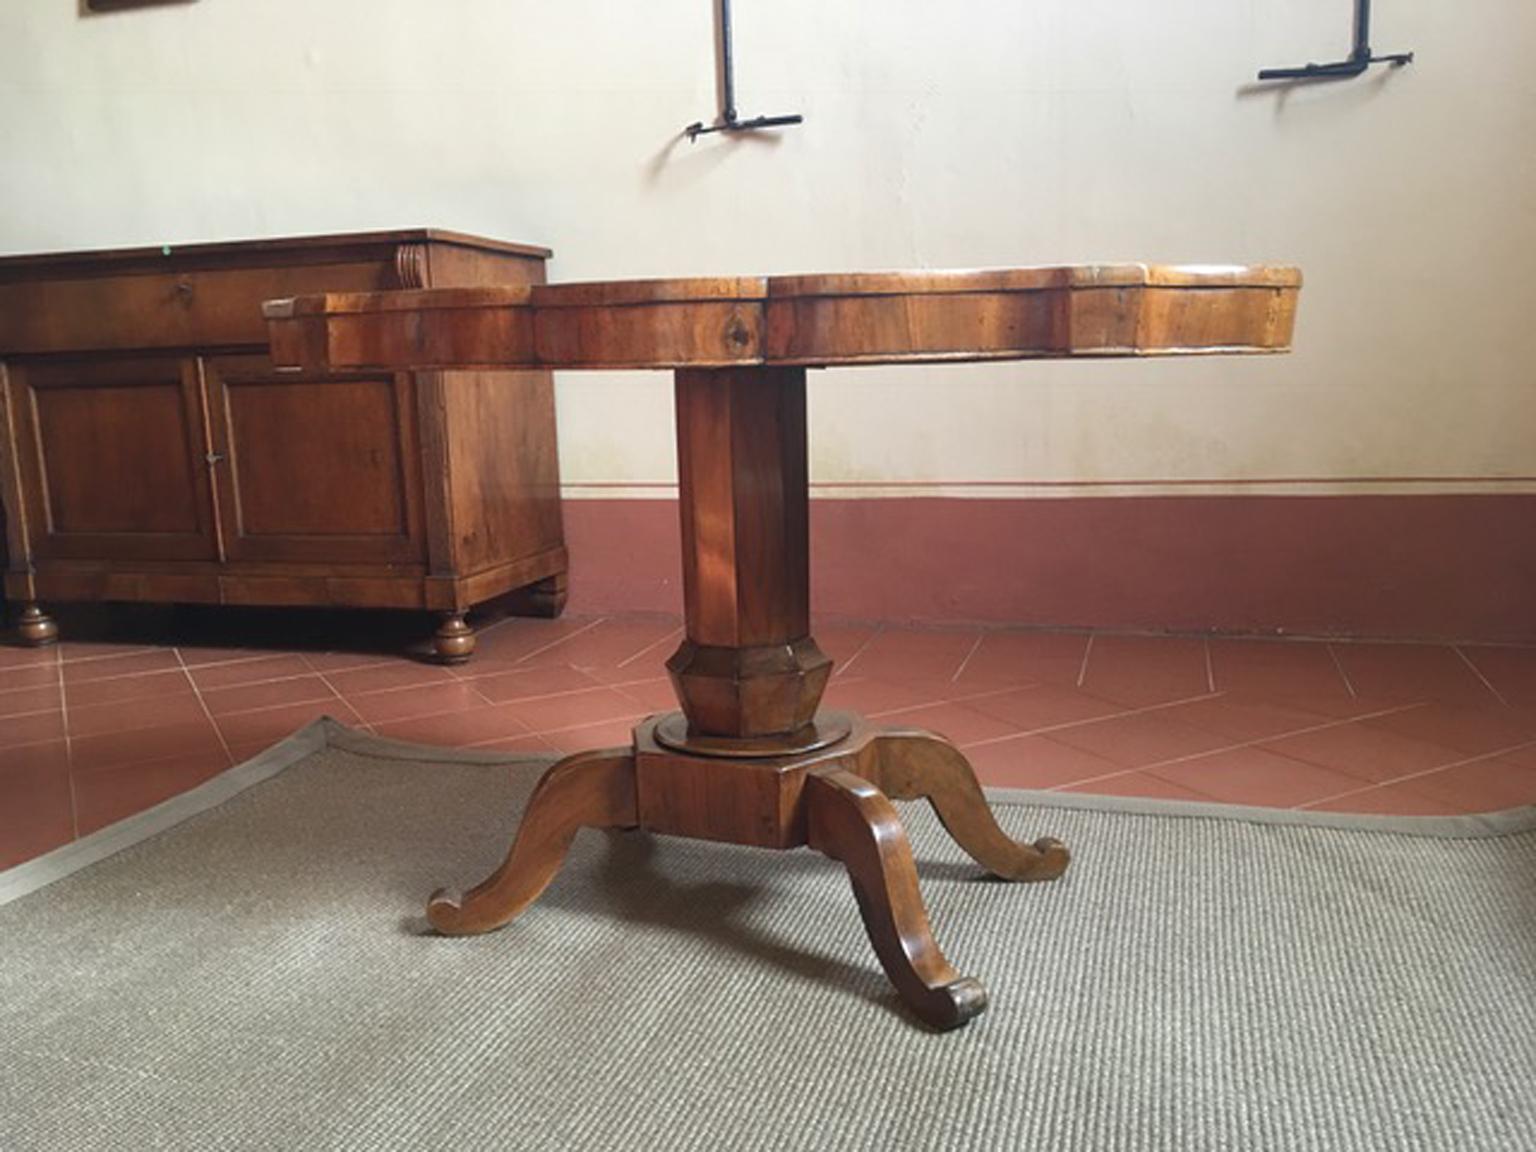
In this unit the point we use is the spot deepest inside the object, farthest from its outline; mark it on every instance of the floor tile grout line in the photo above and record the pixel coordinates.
(976, 647)
(530, 731)
(618, 687)
(35, 712)
(69, 752)
(376, 725)
(542, 732)
(192, 670)
(4, 692)
(229, 757)
(324, 679)
(859, 651)
(134, 765)
(508, 670)
(1119, 775)
(470, 683)
(1082, 669)
(253, 658)
(1297, 760)
(347, 700)
(380, 662)
(334, 696)
(967, 698)
(225, 687)
(147, 648)
(1343, 675)
(478, 691)
(150, 649)
(1209, 752)
(263, 683)
(634, 699)
(676, 632)
(526, 656)
(61, 739)
(132, 675)
(1419, 775)
(487, 629)
(1478, 672)
(990, 740)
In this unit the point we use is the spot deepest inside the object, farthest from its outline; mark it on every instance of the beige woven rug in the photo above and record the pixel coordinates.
(258, 976)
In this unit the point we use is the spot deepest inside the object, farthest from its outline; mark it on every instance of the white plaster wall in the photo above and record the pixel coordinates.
(937, 134)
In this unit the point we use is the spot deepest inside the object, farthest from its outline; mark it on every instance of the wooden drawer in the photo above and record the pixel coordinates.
(183, 309)
(210, 295)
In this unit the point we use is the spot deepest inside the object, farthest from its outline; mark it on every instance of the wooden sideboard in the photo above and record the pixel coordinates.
(150, 451)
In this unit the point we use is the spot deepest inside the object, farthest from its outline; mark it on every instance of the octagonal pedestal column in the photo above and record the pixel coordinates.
(748, 666)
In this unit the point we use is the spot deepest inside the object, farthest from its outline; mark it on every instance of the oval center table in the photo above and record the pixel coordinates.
(751, 758)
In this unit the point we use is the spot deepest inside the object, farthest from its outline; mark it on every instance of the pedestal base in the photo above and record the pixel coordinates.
(835, 799)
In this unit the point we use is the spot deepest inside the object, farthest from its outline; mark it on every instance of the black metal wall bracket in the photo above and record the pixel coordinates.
(1359, 60)
(729, 121)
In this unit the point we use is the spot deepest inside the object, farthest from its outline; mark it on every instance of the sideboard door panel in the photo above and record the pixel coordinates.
(315, 469)
(111, 453)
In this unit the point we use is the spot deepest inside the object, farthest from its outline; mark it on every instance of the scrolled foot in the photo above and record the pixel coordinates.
(454, 640)
(588, 790)
(36, 628)
(849, 820)
(922, 766)
(445, 910)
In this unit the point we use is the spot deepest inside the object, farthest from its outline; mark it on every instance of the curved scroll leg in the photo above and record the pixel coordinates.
(849, 820)
(587, 790)
(920, 765)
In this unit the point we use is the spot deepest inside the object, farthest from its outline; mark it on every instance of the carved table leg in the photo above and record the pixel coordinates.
(923, 766)
(849, 820)
(36, 628)
(587, 790)
(454, 640)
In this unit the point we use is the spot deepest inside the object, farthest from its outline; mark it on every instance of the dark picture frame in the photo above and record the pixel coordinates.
(118, 5)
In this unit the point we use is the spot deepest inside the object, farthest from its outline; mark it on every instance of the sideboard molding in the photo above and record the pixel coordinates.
(150, 451)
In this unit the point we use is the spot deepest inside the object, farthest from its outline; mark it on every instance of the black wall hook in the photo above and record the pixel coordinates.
(728, 121)
(1359, 60)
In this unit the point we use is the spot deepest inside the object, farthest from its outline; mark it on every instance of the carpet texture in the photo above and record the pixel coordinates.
(260, 977)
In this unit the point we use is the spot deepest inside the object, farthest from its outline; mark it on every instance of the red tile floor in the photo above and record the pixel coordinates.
(120, 716)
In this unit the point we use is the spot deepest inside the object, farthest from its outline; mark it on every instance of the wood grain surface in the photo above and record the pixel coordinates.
(804, 321)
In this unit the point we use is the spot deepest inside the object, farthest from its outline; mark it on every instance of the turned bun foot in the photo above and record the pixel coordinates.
(35, 628)
(454, 640)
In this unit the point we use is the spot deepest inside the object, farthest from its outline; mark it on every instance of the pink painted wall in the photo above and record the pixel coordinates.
(1445, 567)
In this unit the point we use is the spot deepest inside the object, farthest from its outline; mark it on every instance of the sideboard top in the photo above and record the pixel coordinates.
(306, 248)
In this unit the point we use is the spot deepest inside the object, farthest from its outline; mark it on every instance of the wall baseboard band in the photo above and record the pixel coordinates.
(1059, 489)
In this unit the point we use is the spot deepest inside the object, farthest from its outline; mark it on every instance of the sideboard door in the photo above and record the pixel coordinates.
(111, 459)
(315, 469)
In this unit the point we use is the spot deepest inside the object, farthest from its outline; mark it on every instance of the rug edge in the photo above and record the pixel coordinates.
(327, 732)
(1473, 826)
(31, 875)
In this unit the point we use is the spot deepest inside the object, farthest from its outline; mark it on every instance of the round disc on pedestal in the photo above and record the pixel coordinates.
(824, 731)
